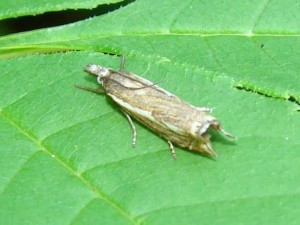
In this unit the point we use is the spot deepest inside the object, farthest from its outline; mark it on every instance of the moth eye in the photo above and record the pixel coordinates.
(215, 124)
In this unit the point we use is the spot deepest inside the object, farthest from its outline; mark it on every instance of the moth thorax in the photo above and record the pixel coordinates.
(103, 72)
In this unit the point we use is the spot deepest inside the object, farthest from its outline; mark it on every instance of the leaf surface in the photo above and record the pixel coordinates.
(66, 154)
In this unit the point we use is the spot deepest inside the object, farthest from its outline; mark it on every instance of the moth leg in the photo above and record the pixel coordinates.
(133, 129)
(172, 149)
(204, 109)
(148, 67)
(95, 90)
(122, 64)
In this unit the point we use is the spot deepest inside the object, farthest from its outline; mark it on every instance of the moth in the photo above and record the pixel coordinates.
(175, 120)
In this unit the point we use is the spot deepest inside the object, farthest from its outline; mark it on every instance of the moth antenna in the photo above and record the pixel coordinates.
(147, 86)
(95, 90)
(134, 88)
(122, 63)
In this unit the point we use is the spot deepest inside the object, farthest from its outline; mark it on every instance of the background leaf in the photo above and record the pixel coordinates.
(66, 154)
(16, 8)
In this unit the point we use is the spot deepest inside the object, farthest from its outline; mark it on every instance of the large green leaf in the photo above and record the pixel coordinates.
(66, 155)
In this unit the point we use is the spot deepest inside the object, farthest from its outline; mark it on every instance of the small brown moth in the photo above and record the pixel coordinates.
(172, 118)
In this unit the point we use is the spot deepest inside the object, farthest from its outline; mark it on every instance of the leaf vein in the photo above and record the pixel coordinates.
(100, 195)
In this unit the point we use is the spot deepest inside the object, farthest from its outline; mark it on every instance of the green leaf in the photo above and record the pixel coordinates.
(66, 155)
(17, 8)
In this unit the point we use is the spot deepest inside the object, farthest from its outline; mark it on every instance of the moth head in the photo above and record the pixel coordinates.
(212, 123)
(97, 71)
